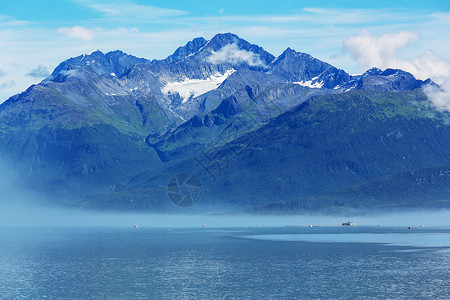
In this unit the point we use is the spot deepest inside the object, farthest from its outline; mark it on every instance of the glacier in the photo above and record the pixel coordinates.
(195, 87)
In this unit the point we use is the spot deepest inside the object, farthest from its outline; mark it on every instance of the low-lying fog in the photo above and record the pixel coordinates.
(21, 208)
(21, 213)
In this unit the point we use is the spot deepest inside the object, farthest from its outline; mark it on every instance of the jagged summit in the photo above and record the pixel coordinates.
(223, 48)
(114, 62)
(236, 44)
(201, 59)
(388, 80)
(195, 76)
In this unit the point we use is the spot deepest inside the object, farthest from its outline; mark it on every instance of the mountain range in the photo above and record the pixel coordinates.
(222, 125)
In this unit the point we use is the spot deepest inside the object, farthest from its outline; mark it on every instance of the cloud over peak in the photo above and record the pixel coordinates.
(378, 50)
(381, 51)
(232, 54)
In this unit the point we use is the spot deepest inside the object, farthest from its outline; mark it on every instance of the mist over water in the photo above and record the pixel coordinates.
(27, 213)
(21, 208)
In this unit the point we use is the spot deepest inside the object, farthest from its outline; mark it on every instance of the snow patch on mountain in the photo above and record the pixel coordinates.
(195, 87)
(96, 50)
(310, 84)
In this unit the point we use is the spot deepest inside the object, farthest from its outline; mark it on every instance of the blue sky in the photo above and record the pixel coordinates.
(353, 35)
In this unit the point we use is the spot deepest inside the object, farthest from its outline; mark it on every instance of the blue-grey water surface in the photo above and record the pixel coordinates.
(239, 263)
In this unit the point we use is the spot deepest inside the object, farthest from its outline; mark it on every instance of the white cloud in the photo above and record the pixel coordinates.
(14, 23)
(78, 32)
(438, 69)
(73, 72)
(7, 21)
(132, 11)
(378, 51)
(382, 51)
(439, 95)
(232, 54)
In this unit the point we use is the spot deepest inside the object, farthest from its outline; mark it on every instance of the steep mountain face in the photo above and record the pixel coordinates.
(336, 141)
(253, 106)
(361, 149)
(302, 68)
(289, 129)
(70, 133)
(190, 48)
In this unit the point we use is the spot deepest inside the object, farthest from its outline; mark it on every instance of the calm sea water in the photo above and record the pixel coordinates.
(240, 263)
